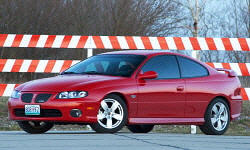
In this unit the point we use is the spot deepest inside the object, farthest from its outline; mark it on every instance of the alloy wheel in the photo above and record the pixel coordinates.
(36, 124)
(110, 114)
(219, 116)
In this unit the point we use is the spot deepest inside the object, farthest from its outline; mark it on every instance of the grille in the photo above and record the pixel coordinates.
(27, 97)
(44, 113)
(41, 98)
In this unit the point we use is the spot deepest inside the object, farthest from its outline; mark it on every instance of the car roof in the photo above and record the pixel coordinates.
(142, 52)
(152, 53)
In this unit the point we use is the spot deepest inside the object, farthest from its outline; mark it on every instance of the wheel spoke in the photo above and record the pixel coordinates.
(109, 123)
(100, 116)
(114, 106)
(215, 110)
(117, 117)
(222, 107)
(104, 105)
(224, 118)
(213, 120)
(219, 124)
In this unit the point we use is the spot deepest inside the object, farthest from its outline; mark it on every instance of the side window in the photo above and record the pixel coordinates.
(190, 68)
(166, 66)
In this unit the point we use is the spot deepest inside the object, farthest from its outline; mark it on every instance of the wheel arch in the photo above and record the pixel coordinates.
(120, 95)
(223, 98)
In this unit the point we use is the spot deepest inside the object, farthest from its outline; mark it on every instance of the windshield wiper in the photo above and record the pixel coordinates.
(92, 72)
(69, 73)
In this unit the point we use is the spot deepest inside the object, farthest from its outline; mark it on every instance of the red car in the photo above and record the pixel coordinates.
(135, 88)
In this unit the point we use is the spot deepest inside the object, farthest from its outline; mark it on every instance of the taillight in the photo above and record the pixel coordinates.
(237, 92)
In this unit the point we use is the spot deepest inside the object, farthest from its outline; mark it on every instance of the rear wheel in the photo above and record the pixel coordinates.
(217, 118)
(35, 127)
(112, 115)
(140, 128)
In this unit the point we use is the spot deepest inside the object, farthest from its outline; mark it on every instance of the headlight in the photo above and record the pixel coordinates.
(15, 94)
(72, 94)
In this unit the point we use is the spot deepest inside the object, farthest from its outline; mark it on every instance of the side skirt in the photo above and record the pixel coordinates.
(180, 121)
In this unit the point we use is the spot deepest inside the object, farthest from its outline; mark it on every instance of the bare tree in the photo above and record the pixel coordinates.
(234, 22)
(195, 21)
(83, 17)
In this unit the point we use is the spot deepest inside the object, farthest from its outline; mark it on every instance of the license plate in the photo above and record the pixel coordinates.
(32, 109)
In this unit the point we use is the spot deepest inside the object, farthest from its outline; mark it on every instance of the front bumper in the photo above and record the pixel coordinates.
(89, 109)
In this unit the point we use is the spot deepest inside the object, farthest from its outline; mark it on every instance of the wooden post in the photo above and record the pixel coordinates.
(89, 52)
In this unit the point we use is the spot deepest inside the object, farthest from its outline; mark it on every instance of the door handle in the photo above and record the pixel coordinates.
(180, 88)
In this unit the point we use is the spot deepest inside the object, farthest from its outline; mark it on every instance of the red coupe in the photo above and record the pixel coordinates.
(139, 89)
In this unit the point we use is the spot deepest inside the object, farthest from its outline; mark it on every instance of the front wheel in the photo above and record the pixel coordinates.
(112, 115)
(140, 128)
(217, 118)
(35, 127)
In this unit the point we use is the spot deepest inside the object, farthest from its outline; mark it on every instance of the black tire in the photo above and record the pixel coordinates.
(99, 128)
(208, 127)
(140, 128)
(33, 127)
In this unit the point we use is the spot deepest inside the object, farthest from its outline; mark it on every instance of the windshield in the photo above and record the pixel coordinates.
(114, 65)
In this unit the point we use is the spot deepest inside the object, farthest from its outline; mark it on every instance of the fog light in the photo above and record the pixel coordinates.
(76, 113)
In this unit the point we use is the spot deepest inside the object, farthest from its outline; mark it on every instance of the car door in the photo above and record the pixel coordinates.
(196, 77)
(164, 96)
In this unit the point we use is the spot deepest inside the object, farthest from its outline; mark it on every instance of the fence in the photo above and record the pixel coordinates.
(113, 42)
(124, 42)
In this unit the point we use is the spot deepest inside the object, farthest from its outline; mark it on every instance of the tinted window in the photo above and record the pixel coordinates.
(115, 65)
(166, 66)
(190, 68)
(101, 66)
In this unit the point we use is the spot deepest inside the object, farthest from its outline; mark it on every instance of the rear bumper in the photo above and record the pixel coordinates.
(235, 106)
(89, 110)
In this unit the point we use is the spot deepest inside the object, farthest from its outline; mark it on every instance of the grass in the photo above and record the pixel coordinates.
(238, 127)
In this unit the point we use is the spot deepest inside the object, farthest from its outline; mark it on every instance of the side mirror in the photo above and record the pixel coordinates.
(148, 75)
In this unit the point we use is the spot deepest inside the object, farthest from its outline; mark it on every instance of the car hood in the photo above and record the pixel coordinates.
(64, 83)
